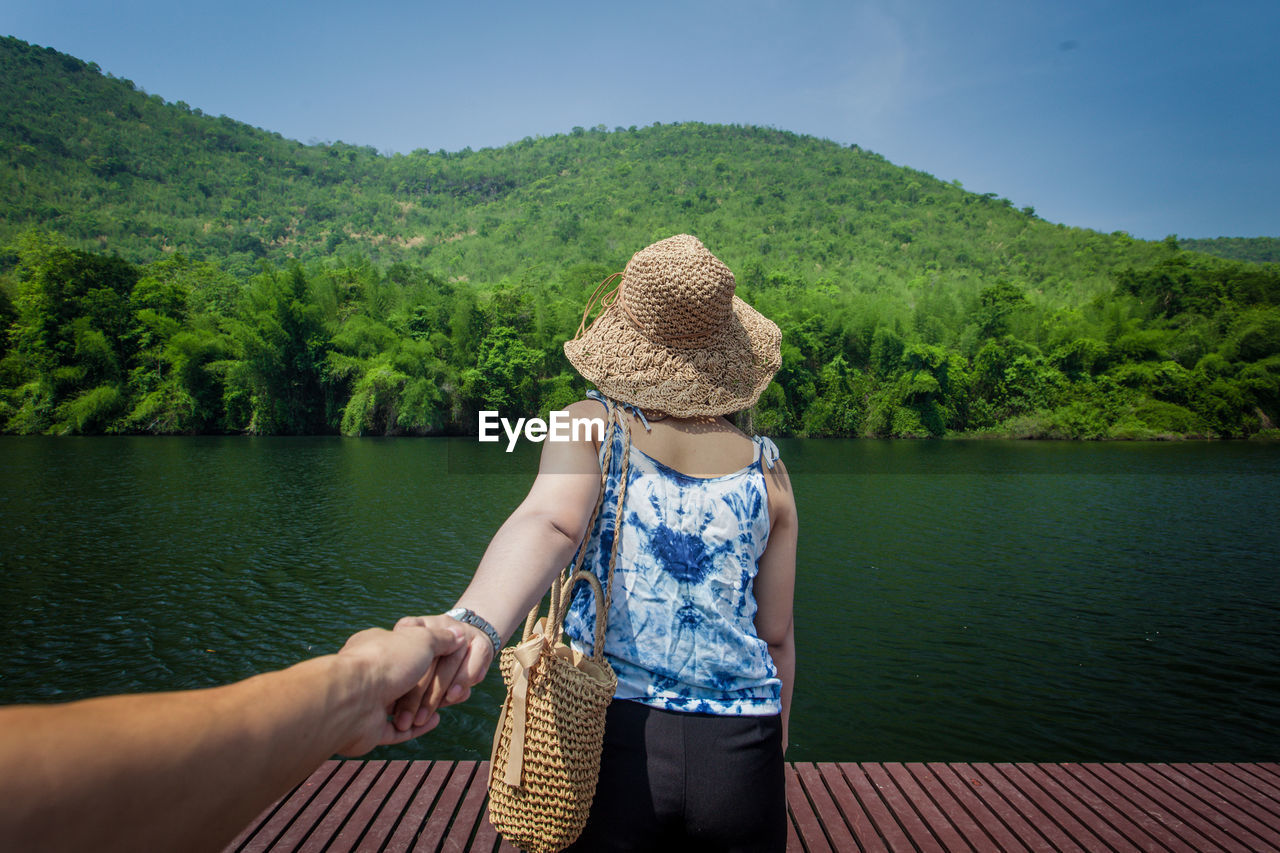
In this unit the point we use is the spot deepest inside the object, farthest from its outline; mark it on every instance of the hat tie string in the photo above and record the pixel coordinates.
(605, 298)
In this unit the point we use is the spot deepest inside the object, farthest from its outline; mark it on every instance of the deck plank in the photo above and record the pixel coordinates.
(392, 812)
(1101, 801)
(824, 805)
(472, 814)
(1086, 818)
(1269, 772)
(1165, 828)
(1178, 805)
(882, 817)
(1057, 807)
(963, 787)
(988, 785)
(310, 816)
(807, 826)
(418, 809)
(397, 806)
(917, 832)
(1037, 820)
(270, 832)
(855, 816)
(1252, 786)
(264, 831)
(341, 809)
(487, 837)
(1206, 797)
(363, 827)
(442, 812)
(968, 834)
(939, 825)
(793, 838)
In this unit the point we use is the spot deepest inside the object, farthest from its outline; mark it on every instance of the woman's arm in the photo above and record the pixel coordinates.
(775, 586)
(529, 549)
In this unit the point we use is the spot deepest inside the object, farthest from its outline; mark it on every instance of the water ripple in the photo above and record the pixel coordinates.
(954, 602)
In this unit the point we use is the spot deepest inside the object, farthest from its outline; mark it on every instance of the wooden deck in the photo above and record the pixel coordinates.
(440, 806)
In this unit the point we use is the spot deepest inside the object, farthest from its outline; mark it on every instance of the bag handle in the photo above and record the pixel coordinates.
(562, 586)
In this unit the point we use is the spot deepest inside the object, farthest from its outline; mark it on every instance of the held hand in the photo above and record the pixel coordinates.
(390, 664)
(451, 679)
(473, 662)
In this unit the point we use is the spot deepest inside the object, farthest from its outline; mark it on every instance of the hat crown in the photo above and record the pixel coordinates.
(676, 292)
(673, 337)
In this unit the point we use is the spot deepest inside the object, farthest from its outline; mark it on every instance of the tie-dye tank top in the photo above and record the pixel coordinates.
(681, 633)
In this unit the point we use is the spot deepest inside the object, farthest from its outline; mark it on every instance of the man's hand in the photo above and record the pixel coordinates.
(390, 665)
(450, 680)
(136, 777)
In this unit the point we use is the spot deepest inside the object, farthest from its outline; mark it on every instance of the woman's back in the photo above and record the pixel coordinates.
(693, 755)
(692, 528)
(697, 447)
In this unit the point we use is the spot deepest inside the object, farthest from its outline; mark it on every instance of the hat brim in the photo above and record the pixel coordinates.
(716, 376)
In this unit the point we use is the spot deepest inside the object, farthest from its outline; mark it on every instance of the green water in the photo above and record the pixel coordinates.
(955, 600)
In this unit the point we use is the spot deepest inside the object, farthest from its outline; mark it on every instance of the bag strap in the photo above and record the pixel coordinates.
(563, 585)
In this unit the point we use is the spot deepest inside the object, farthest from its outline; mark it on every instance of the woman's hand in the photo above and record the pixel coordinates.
(532, 546)
(388, 663)
(451, 678)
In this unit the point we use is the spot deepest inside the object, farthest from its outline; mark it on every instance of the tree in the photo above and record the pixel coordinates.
(69, 346)
(505, 375)
(282, 344)
(998, 303)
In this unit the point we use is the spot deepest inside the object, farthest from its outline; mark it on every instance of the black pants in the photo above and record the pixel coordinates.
(673, 781)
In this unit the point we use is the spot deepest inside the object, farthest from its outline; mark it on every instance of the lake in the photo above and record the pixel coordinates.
(956, 600)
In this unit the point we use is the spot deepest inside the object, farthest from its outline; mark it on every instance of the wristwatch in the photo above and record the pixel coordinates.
(463, 614)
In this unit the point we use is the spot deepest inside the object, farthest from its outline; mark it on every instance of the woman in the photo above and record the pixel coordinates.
(700, 626)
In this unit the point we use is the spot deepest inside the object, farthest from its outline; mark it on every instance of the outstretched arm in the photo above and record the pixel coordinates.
(531, 546)
(188, 770)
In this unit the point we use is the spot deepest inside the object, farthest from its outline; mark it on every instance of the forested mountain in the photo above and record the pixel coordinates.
(1258, 250)
(174, 272)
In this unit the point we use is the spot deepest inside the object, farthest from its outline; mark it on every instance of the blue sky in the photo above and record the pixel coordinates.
(1152, 118)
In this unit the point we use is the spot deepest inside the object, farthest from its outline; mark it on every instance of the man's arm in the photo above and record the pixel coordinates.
(188, 770)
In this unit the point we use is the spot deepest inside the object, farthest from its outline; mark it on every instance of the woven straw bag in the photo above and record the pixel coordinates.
(546, 749)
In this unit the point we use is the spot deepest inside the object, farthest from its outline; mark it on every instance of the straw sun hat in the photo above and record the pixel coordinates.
(673, 338)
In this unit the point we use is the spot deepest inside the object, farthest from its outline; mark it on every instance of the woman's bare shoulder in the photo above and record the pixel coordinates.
(585, 409)
(782, 500)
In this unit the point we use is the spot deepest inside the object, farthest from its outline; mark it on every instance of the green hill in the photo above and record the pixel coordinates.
(1258, 250)
(113, 168)
(203, 275)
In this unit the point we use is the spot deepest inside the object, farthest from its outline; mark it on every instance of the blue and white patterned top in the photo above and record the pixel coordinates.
(681, 633)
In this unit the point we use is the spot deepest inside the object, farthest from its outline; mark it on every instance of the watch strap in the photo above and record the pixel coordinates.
(470, 617)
